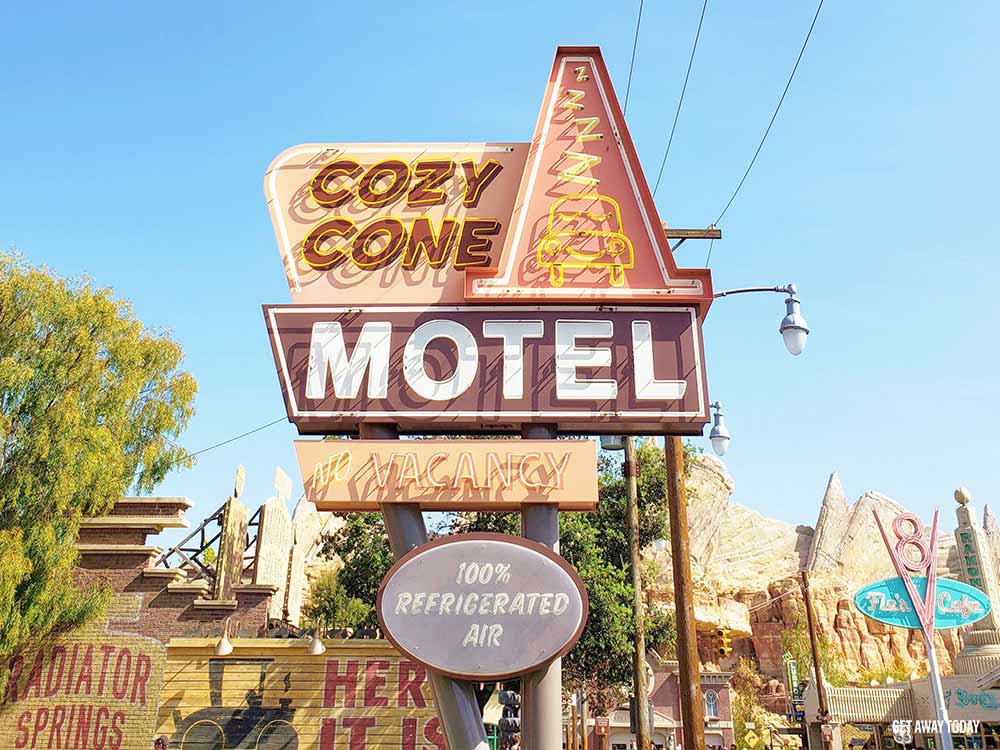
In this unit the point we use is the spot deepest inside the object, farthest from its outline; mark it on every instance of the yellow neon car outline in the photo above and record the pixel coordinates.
(555, 243)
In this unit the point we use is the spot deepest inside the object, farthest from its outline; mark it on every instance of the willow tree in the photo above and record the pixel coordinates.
(89, 401)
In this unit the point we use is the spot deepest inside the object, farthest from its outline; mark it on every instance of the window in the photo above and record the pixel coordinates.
(711, 699)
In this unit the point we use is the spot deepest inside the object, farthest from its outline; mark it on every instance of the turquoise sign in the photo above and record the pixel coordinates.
(956, 603)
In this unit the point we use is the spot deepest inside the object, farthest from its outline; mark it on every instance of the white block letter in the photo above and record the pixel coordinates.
(465, 371)
(647, 387)
(569, 357)
(327, 352)
(513, 333)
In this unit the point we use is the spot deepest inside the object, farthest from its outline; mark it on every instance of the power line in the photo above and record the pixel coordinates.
(773, 116)
(771, 601)
(631, 65)
(680, 101)
(237, 437)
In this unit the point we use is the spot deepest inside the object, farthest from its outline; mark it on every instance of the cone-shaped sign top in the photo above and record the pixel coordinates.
(584, 224)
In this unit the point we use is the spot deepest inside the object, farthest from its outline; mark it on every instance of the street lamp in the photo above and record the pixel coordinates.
(719, 434)
(793, 328)
(224, 647)
(316, 646)
(613, 442)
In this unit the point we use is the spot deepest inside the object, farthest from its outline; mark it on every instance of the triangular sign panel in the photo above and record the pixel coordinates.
(584, 224)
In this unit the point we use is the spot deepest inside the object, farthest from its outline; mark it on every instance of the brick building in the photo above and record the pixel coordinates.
(157, 664)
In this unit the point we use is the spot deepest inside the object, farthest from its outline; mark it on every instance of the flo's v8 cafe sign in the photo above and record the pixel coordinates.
(460, 287)
(497, 606)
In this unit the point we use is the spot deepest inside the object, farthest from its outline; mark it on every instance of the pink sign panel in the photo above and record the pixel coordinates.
(584, 225)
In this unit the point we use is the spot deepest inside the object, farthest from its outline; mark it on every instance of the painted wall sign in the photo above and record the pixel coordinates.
(634, 370)
(956, 603)
(271, 695)
(97, 687)
(482, 606)
(498, 475)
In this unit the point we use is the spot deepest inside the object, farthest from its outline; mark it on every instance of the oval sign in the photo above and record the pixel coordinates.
(482, 606)
(956, 603)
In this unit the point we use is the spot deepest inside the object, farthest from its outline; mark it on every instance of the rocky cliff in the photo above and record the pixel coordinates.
(746, 569)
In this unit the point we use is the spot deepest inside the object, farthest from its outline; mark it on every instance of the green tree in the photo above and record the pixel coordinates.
(745, 691)
(594, 543)
(796, 642)
(900, 670)
(362, 544)
(89, 402)
(331, 607)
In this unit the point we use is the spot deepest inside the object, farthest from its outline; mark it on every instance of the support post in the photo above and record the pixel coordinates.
(541, 691)
(584, 742)
(934, 672)
(573, 717)
(689, 671)
(455, 700)
(639, 654)
(824, 712)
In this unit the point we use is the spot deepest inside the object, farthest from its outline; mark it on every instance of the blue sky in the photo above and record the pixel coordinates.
(134, 143)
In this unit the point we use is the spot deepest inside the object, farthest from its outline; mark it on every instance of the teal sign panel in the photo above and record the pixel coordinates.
(956, 603)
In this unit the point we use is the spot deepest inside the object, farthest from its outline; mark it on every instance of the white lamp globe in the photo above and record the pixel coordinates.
(794, 329)
(720, 433)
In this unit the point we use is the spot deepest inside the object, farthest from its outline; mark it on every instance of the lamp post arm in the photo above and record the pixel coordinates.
(786, 289)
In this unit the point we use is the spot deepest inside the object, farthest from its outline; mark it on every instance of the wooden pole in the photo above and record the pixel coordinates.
(688, 667)
(583, 721)
(572, 724)
(639, 655)
(824, 713)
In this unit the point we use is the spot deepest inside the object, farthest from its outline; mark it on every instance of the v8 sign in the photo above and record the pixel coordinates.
(470, 368)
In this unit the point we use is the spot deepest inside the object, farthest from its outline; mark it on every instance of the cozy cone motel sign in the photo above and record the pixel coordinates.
(481, 287)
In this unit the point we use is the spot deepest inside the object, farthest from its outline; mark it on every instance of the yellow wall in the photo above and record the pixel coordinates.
(270, 694)
(106, 687)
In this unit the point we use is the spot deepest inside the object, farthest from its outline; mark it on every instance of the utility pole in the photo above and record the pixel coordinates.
(689, 670)
(639, 687)
(824, 713)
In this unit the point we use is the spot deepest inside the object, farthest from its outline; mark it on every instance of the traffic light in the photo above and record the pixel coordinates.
(510, 721)
(721, 642)
(633, 714)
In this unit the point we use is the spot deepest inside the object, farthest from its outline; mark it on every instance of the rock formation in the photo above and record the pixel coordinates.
(746, 569)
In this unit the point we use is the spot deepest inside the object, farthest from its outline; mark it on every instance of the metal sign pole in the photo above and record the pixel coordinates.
(541, 691)
(935, 675)
(456, 704)
(925, 608)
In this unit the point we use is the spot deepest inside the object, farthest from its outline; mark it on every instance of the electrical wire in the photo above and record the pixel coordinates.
(773, 116)
(680, 101)
(769, 602)
(237, 437)
(631, 65)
